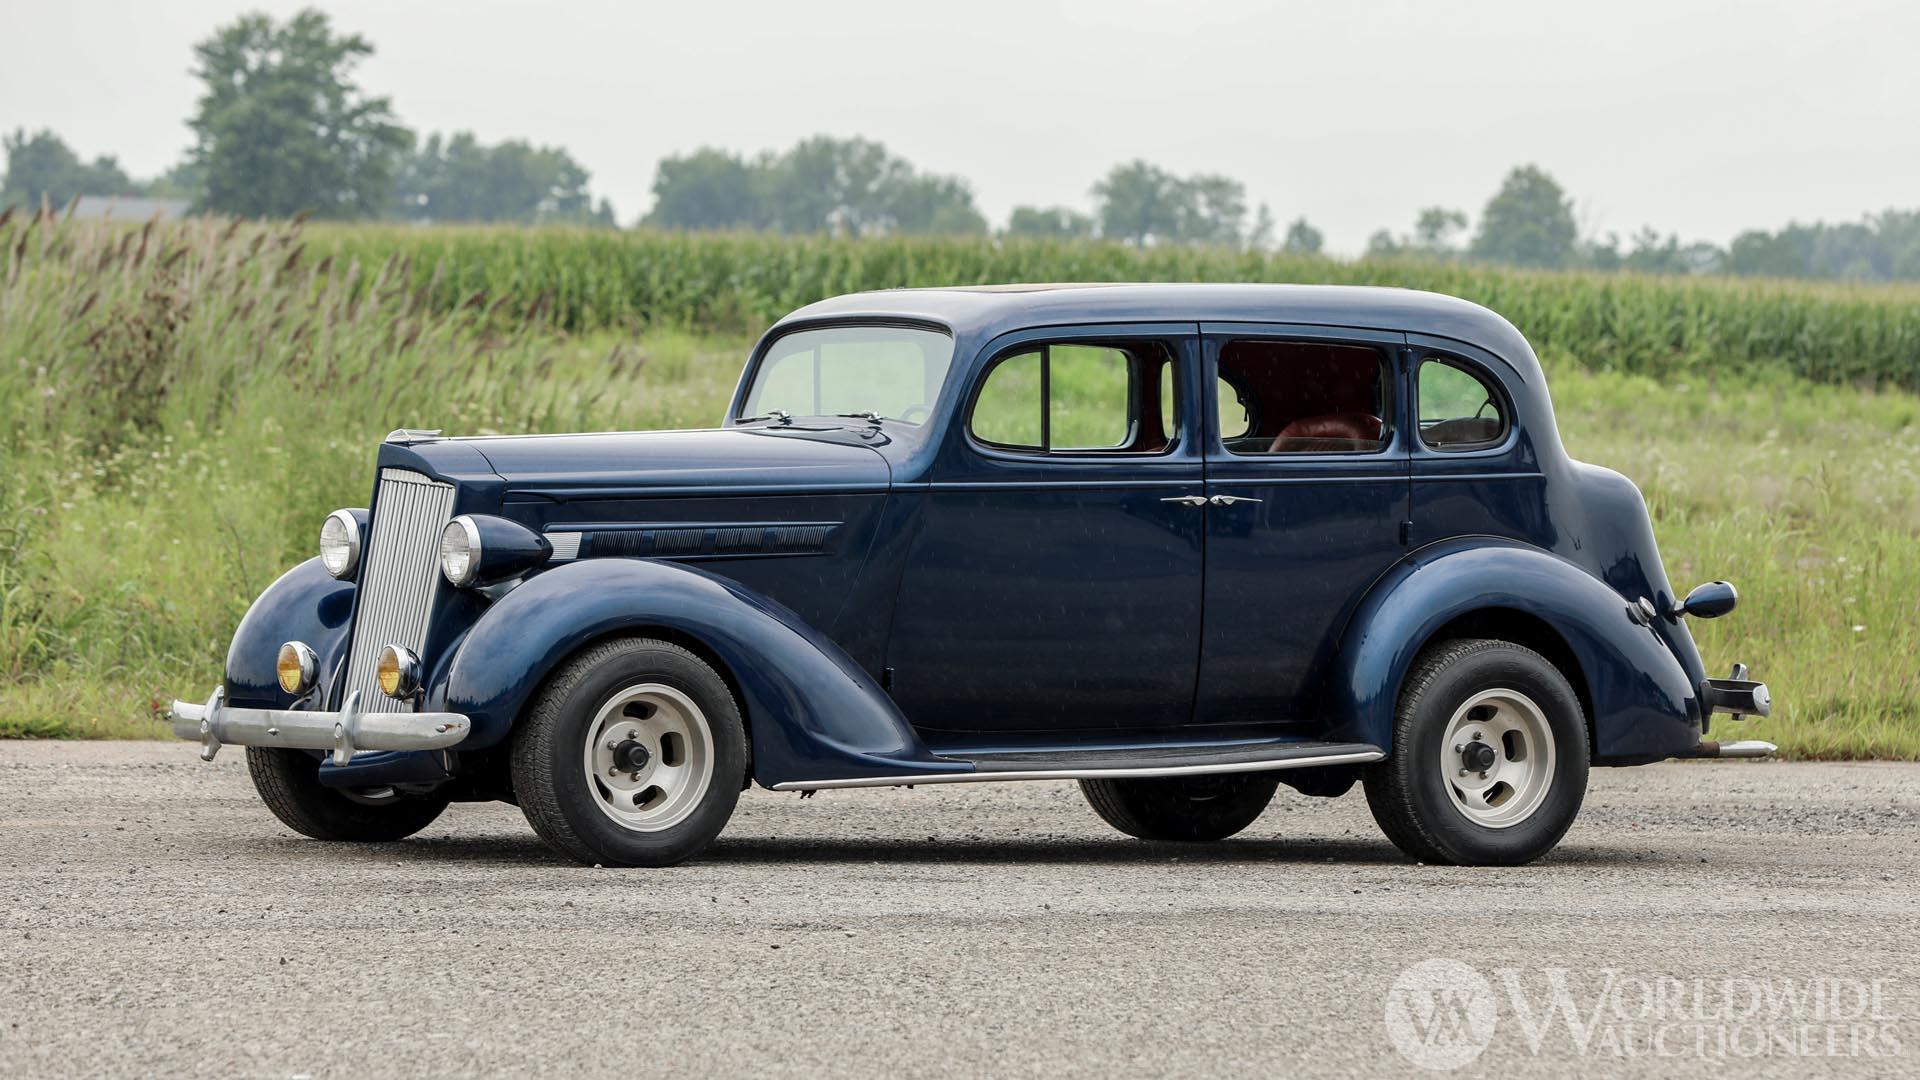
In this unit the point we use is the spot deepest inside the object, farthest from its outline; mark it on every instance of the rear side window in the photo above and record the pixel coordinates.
(1302, 397)
(1078, 398)
(1459, 408)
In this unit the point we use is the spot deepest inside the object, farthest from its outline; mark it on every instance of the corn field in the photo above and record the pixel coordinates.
(1616, 322)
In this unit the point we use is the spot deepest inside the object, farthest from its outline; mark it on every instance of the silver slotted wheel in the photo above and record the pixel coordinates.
(1489, 756)
(632, 754)
(649, 757)
(1497, 758)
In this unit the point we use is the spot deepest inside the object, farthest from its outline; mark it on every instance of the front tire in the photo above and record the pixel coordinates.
(1489, 760)
(1181, 807)
(633, 754)
(289, 783)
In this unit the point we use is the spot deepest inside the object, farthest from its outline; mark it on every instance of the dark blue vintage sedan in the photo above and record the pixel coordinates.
(1180, 543)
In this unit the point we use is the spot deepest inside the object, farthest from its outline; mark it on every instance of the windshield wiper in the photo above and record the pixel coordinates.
(778, 415)
(870, 417)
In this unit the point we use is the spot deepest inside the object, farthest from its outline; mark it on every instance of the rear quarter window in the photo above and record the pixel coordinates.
(1460, 409)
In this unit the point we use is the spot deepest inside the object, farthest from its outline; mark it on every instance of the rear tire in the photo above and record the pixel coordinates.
(633, 754)
(1489, 761)
(1181, 807)
(289, 783)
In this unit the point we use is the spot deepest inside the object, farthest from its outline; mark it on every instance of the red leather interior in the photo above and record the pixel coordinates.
(1354, 426)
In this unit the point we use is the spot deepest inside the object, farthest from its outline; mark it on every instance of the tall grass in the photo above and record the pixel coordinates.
(1658, 326)
(183, 403)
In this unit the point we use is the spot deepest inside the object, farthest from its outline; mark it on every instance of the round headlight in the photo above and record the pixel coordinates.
(297, 667)
(340, 543)
(460, 550)
(397, 672)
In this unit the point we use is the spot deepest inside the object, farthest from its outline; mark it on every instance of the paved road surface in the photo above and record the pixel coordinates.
(154, 920)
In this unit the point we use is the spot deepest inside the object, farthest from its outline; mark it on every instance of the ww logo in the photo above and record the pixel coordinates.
(1440, 1014)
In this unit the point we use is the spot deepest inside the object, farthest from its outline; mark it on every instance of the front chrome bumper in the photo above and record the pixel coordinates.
(345, 733)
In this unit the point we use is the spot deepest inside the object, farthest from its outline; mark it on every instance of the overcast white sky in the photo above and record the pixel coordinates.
(1692, 116)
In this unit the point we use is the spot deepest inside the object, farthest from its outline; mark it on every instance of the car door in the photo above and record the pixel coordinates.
(1308, 485)
(1054, 584)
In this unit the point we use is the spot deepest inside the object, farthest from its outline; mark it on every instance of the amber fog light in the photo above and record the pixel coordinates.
(398, 672)
(297, 667)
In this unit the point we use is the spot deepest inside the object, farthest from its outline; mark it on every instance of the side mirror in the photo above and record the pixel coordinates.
(1710, 601)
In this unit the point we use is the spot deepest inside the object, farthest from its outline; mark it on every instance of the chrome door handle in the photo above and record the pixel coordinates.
(1187, 500)
(1229, 500)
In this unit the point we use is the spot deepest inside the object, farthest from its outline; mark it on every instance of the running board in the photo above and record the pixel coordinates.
(1118, 764)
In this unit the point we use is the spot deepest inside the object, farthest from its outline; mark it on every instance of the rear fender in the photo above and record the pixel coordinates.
(1643, 704)
(813, 712)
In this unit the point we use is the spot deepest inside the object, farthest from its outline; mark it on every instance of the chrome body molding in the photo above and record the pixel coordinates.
(345, 732)
(1354, 757)
(566, 545)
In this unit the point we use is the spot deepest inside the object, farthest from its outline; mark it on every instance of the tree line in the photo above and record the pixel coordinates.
(282, 128)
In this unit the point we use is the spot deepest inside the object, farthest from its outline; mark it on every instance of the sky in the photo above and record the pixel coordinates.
(1700, 118)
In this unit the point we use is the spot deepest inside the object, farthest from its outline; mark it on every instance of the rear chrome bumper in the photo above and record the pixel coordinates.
(345, 733)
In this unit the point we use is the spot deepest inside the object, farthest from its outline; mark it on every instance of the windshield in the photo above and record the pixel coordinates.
(890, 371)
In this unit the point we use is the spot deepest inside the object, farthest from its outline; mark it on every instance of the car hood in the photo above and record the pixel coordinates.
(675, 461)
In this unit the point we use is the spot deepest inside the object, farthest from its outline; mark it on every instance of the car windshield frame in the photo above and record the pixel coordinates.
(754, 403)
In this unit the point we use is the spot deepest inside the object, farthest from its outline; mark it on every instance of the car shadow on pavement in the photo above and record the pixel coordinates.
(528, 850)
(1043, 851)
(508, 850)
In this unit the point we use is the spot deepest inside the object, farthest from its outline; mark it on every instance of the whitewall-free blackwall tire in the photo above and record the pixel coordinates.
(1489, 762)
(632, 754)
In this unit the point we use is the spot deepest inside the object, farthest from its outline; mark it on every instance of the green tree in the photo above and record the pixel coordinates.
(1214, 210)
(1655, 254)
(1528, 222)
(1052, 222)
(708, 189)
(1142, 204)
(1303, 238)
(822, 184)
(282, 127)
(183, 181)
(1383, 245)
(461, 179)
(1758, 252)
(1435, 228)
(42, 165)
(934, 204)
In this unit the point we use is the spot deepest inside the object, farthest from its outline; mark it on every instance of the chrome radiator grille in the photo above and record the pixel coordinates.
(399, 580)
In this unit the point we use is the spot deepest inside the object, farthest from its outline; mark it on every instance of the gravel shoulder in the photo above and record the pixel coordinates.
(155, 920)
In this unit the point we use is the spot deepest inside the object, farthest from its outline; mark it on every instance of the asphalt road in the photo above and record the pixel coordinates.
(155, 920)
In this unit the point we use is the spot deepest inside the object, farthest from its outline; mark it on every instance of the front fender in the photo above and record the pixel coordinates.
(305, 604)
(814, 713)
(1643, 704)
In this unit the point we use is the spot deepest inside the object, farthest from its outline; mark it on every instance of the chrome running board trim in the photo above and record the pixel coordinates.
(1354, 757)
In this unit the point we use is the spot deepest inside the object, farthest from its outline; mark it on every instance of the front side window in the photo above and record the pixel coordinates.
(890, 371)
(1078, 398)
(1302, 397)
(1459, 410)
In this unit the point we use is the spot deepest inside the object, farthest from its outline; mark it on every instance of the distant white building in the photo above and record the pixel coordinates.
(128, 208)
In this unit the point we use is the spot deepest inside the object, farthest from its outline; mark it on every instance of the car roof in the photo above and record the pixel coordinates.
(985, 311)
